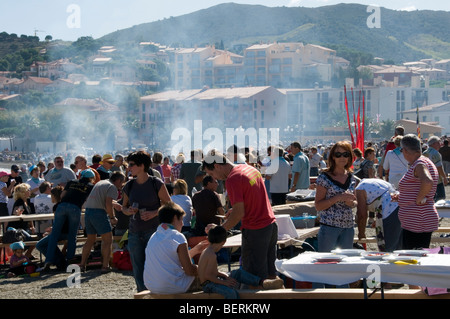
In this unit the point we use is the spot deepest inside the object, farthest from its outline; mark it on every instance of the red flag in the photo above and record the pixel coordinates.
(363, 119)
(354, 116)
(348, 117)
(358, 141)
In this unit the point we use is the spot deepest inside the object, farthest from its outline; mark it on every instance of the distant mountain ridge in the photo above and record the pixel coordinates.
(403, 36)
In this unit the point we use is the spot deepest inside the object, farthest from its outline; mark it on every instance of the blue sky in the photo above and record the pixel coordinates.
(71, 19)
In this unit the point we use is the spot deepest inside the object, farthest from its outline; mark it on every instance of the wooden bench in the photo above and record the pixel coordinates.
(331, 293)
(80, 239)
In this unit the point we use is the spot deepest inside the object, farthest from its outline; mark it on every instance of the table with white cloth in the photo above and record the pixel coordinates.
(443, 208)
(431, 271)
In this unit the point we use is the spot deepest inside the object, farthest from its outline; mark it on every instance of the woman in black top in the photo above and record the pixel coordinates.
(22, 206)
(147, 193)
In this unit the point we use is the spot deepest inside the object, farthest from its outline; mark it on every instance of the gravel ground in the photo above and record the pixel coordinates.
(92, 284)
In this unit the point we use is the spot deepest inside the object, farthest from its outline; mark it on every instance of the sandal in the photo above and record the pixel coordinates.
(106, 270)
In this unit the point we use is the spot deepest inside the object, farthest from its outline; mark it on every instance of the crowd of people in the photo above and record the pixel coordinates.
(160, 202)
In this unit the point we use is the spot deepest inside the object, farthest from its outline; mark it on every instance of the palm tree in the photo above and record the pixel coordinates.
(387, 129)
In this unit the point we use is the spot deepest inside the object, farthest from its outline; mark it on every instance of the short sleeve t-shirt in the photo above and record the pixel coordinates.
(76, 192)
(163, 273)
(102, 190)
(301, 166)
(245, 184)
(58, 176)
(146, 195)
(436, 158)
(338, 215)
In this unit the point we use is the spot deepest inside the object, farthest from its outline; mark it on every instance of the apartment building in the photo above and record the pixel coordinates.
(244, 107)
(59, 69)
(274, 64)
(437, 114)
(189, 67)
(288, 64)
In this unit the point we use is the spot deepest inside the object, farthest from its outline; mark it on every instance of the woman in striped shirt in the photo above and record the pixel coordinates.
(417, 213)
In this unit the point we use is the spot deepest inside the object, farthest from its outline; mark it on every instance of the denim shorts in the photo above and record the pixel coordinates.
(97, 221)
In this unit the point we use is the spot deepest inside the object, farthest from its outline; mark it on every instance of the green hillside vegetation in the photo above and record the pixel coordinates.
(18, 53)
(403, 36)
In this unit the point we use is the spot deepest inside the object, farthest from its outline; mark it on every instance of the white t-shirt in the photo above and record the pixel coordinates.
(43, 205)
(377, 188)
(186, 203)
(34, 185)
(163, 273)
(397, 165)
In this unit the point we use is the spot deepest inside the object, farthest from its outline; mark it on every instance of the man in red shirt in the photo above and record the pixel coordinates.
(250, 206)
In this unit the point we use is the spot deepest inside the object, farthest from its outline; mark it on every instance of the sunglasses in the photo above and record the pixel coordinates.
(339, 154)
(131, 164)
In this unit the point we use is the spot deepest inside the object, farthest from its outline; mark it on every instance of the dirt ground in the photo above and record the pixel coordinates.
(92, 284)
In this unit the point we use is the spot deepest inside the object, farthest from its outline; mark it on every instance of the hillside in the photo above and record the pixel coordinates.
(403, 36)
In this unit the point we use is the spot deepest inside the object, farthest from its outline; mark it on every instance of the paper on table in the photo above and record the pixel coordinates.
(285, 226)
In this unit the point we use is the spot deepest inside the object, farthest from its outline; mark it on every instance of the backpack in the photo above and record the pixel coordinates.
(360, 172)
(13, 235)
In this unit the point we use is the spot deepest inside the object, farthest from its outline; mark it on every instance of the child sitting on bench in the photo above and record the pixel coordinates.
(214, 281)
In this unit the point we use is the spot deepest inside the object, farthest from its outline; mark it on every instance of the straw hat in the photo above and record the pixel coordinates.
(107, 158)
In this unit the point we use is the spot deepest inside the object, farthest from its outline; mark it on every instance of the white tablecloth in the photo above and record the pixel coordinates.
(433, 270)
(444, 212)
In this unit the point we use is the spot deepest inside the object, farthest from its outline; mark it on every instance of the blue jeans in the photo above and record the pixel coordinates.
(137, 242)
(42, 247)
(71, 213)
(330, 238)
(241, 276)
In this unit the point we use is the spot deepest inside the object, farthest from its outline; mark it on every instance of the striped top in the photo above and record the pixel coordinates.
(415, 218)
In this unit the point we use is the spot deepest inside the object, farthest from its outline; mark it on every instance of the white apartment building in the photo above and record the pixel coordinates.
(275, 64)
(244, 107)
(300, 114)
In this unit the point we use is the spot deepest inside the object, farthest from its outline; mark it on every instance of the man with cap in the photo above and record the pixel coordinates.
(105, 166)
(60, 175)
(432, 152)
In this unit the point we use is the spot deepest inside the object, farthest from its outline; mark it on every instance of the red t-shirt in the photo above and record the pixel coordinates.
(245, 184)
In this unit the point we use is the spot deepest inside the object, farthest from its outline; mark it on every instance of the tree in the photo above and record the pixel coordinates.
(48, 38)
(387, 129)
